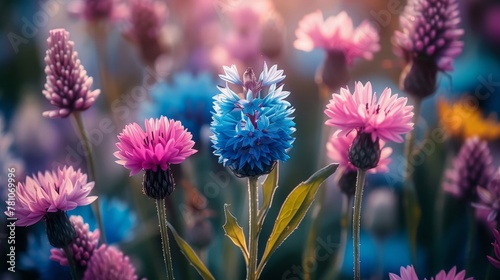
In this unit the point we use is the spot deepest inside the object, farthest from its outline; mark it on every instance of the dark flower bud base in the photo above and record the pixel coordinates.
(158, 184)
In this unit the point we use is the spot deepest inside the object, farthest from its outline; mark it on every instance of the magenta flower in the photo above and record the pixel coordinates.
(67, 86)
(163, 143)
(82, 247)
(385, 118)
(451, 275)
(109, 263)
(55, 191)
(95, 10)
(471, 168)
(337, 33)
(489, 197)
(405, 273)
(496, 248)
(338, 151)
(430, 32)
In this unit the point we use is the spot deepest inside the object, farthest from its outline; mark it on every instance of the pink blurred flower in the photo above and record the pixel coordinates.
(337, 33)
(82, 247)
(95, 10)
(67, 86)
(405, 273)
(451, 275)
(496, 248)
(338, 151)
(489, 197)
(163, 143)
(55, 191)
(385, 118)
(109, 263)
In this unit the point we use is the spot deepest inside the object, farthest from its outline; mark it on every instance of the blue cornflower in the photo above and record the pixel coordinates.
(187, 98)
(251, 134)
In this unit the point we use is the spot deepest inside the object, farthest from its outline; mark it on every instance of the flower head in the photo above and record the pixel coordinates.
(251, 134)
(187, 98)
(405, 273)
(67, 86)
(51, 192)
(489, 196)
(82, 247)
(471, 168)
(338, 151)
(463, 120)
(337, 33)
(495, 261)
(451, 275)
(109, 263)
(430, 32)
(385, 118)
(95, 10)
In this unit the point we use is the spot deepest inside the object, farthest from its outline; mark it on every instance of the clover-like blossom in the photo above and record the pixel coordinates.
(50, 192)
(109, 263)
(82, 247)
(67, 87)
(471, 168)
(337, 34)
(386, 117)
(489, 197)
(188, 98)
(338, 150)
(251, 134)
(430, 32)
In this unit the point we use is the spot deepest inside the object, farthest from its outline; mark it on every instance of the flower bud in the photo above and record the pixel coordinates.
(364, 153)
(60, 231)
(158, 184)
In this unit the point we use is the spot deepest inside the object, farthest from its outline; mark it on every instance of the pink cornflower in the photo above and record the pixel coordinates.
(451, 275)
(338, 151)
(337, 33)
(385, 118)
(405, 273)
(163, 143)
(51, 192)
(109, 263)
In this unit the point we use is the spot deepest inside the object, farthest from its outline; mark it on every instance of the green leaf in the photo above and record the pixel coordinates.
(268, 189)
(293, 210)
(235, 232)
(193, 259)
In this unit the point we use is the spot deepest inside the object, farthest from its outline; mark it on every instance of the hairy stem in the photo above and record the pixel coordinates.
(356, 221)
(162, 220)
(253, 239)
(71, 263)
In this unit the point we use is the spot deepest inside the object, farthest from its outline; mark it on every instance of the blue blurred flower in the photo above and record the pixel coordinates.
(187, 99)
(119, 221)
(36, 258)
(251, 134)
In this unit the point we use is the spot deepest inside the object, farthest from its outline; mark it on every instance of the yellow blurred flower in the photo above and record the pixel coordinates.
(463, 119)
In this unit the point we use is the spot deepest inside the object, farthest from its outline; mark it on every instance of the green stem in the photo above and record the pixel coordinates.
(356, 221)
(91, 169)
(471, 238)
(162, 220)
(71, 263)
(410, 200)
(252, 231)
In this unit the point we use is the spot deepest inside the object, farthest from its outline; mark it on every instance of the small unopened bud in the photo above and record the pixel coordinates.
(199, 232)
(333, 73)
(272, 36)
(250, 81)
(60, 231)
(347, 182)
(418, 78)
(158, 184)
(364, 153)
(381, 213)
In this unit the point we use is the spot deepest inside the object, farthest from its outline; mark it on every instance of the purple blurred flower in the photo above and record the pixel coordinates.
(67, 86)
(405, 273)
(496, 248)
(489, 197)
(51, 192)
(430, 31)
(409, 273)
(145, 19)
(96, 10)
(109, 263)
(82, 247)
(471, 168)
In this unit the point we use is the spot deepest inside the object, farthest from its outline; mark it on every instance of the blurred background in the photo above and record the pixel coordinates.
(174, 73)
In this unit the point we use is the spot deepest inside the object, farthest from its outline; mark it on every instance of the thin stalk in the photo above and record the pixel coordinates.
(71, 263)
(356, 221)
(345, 223)
(380, 259)
(410, 200)
(162, 220)
(252, 229)
(471, 238)
(91, 169)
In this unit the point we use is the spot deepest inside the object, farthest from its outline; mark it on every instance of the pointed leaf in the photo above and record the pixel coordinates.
(294, 209)
(193, 259)
(268, 189)
(235, 232)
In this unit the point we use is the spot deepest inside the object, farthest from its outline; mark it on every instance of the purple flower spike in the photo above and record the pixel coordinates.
(67, 86)
(109, 263)
(489, 197)
(82, 247)
(430, 31)
(496, 248)
(471, 168)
